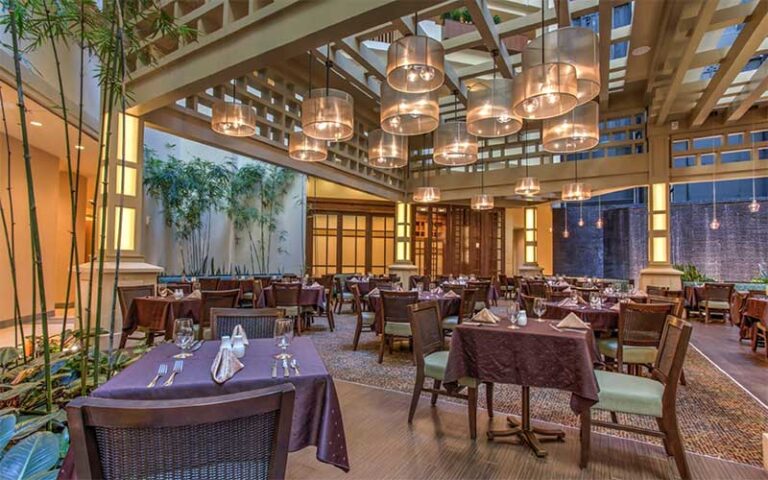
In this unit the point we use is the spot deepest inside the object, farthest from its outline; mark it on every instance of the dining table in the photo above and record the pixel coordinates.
(493, 291)
(604, 318)
(317, 419)
(755, 311)
(447, 304)
(538, 355)
(156, 313)
(310, 296)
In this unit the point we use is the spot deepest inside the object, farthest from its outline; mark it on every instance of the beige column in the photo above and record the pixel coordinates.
(403, 266)
(530, 267)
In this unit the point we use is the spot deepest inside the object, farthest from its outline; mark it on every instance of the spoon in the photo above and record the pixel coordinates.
(295, 366)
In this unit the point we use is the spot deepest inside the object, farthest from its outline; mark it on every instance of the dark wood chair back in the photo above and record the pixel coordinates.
(127, 293)
(670, 358)
(394, 305)
(237, 436)
(228, 284)
(381, 284)
(527, 303)
(256, 322)
(216, 299)
(426, 329)
(641, 324)
(340, 283)
(556, 296)
(453, 287)
(678, 304)
(185, 287)
(503, 280)
(481, 291)
(718, 292)
(674, 294)
(326, 280)
(285, 294)
(537, 288)
(357, 301)
(657, 291)
(414, 279)
(209, 283)
(467, 305)
(289, 278)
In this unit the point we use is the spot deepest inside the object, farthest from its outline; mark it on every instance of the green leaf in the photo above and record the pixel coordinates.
(33, 455)
(32, 425)
(8, 355)
(49, 475)
(17, 390)
(7, 428)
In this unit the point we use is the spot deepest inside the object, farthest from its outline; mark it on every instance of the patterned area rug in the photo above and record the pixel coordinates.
(717, 418)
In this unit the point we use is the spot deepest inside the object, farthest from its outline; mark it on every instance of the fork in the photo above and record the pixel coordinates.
(178, 366)
(161, 370)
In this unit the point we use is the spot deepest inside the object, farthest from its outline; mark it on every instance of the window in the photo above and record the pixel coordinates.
(619, 49)
(737, 156)
(590, 20)
(681, 162)
(622, 15)
(707, 142)
(709, 71)
(618, 151)
(762, 153)
(680, 146)
(618, 122)
(735, 138)
(760, 136)
(708, 159)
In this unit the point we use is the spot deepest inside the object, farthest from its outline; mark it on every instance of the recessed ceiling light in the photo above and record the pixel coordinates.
(35, 123)
(641, 50)
(79, 147)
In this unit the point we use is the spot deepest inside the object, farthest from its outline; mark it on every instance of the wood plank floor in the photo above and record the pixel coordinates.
(720, 343)
(381, 444)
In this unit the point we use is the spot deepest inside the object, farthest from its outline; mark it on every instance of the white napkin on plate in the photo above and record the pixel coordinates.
(195, 294)
(567, 302)
(225, 365)
(437, 290)
(485, 316)
(315, 285)
(239, 330)
(616, 307)
(375, 292)
(451, 294)
(164, 292)
(572, 321)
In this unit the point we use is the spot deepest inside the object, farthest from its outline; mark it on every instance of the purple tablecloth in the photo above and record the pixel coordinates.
(446, 305)
(310, 297)
(601, 319)
(147, 313)
(363, 285)
(493, 291)
(535, 356)
(316, 416)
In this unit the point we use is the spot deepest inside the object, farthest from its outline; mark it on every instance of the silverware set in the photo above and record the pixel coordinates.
(178, 366)
(287, 366)
(162, 371)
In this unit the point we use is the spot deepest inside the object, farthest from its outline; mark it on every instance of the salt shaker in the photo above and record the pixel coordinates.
(226, 343)
(522, 318)
(238, 346)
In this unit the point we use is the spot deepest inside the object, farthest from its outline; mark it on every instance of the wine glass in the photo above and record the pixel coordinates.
(283, 336)
(594, 299)
(539, 308)
(513, 309)
(183, 336)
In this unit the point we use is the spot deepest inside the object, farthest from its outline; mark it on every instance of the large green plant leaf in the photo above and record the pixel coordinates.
(33, 455)
(7, 428)
(32, 425)
(49, 475)
(17, 390)
(8, 355)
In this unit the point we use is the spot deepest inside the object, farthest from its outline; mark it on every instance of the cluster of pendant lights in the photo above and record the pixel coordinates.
(560, 77)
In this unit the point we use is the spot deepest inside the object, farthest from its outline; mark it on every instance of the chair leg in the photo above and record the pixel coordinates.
(358, 329)
(331, 320)
(436, 386)
(614, 417)
(585, 437)
(489, 398)
(706, 316)
(664, 439)
(676, 445)
(682, 378)
(416, 394)
(472, 399)
(381, 347)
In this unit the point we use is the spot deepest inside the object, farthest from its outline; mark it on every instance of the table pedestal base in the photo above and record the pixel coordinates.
(526, 433)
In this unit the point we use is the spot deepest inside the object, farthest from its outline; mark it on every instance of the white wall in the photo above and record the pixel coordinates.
(228, 248)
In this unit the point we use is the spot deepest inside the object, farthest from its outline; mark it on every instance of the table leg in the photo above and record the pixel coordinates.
(526, 433)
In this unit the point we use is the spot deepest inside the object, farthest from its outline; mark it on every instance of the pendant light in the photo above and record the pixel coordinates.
(527, 186)
(425, 193)
(302, 147)
(581, 214)
(328, 114)
(415, 63)
(715, 223)
(409, 113)
(482, 201)
(547, 87)
(576, 131)
(386, 150)
(489, 108)
(566, 233)
(599, 223)
(233, 119)
(454, 146)
(576, 191)
(754, 205)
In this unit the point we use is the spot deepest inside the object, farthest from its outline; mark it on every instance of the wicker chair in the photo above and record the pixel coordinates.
(209, 283)
(537, 288)
(431, 361)
(654, 397)
(640, 327)
(241, 436)
(716, 298)
(125, 295)
(185, 287)
(257, 323)
(482, 294)
(395, 313)
(364, 319)
(287, 296)
(466, 310)
(381, 284)
(678, 304)
(214, 299)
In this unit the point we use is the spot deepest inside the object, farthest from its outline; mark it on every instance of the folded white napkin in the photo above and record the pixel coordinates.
(568, 290)
(315, 285)
(567, 302)
(239, 330)
(437, 290)
(572, 321)
(375, 292)
(616, 307)
(225, 365)
(485, 316)
(451, 294)
(164, 292)
(195, 294)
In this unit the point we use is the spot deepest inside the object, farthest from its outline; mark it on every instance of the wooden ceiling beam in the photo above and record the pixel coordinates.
(483, 21)
(706, 12)
(748, 41)
(363, 55)
(605, 10)
(351, 72)
(673, 9)
(751, 93)
(563, 13)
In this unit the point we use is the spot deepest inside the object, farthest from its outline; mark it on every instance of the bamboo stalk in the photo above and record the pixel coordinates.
(34, 230)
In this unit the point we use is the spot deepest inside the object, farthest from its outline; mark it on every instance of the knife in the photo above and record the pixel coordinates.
(286, 372)
(274, 369)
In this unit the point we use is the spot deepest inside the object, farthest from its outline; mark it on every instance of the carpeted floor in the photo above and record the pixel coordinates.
(717, 418)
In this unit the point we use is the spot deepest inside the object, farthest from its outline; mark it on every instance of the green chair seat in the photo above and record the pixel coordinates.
(450, 322)
(247, 296)
(715, 304)
(628, 394)
(291, 311)
(398, 329)
(434, 367)
(369, 318)
(631, 354)
(347, 296)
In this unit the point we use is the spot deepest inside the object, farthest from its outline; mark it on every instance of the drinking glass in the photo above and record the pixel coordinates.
(183, 336)
(283, 336)
(513, 309)
(594, 300)
(539, 308)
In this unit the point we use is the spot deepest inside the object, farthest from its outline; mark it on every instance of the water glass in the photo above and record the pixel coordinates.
(513, 309)
(283, 336)
(539, 308)
(594, 300)
(183, 336)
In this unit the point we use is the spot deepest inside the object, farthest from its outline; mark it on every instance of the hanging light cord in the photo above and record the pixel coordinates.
(543, 34)
(525, 150)
(714, 180)
(309, 57)
(234, 91)
(482, 173)
(328, 66)
(754, 158)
